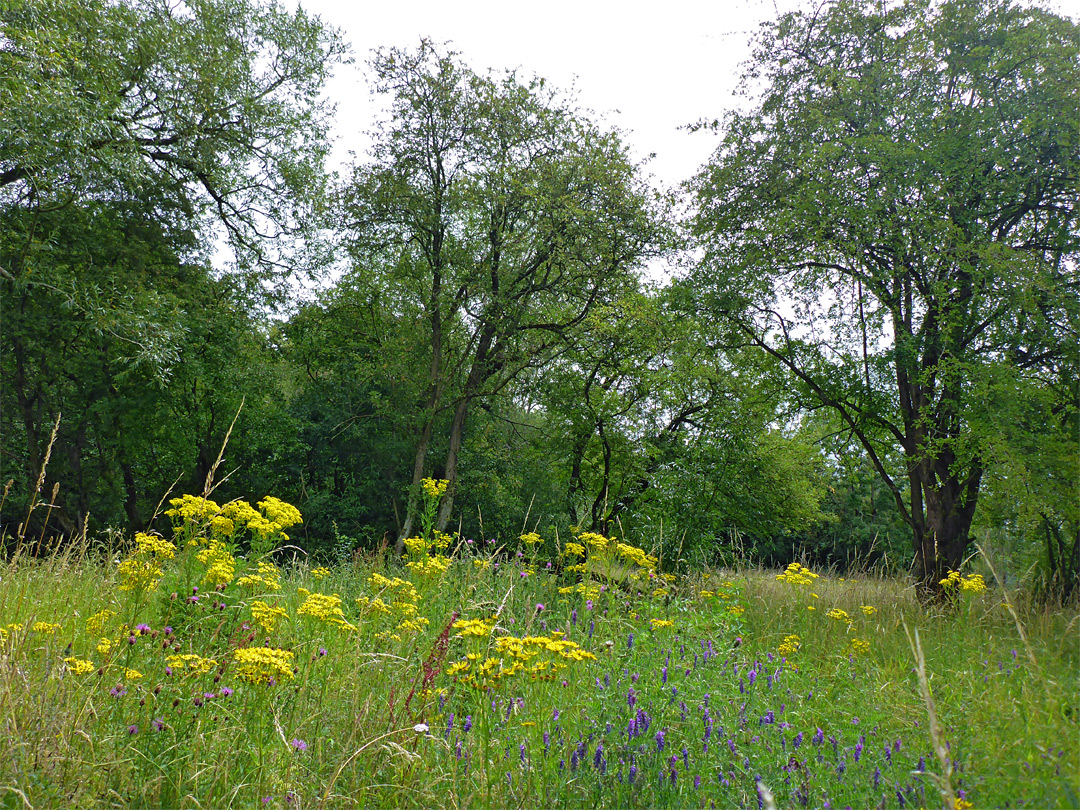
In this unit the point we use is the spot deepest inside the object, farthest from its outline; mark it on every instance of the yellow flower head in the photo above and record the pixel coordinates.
(263, 665)
(77, 666)
(434, 488)
(190, 663)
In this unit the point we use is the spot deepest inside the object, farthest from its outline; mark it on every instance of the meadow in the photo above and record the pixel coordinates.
(176, 671)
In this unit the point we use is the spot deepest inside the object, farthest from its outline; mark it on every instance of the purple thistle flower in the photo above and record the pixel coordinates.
(142, 629)
(133, 729)
(118, 691)
(226, 692)
(168, 670)
(298, 744)
(158, 724)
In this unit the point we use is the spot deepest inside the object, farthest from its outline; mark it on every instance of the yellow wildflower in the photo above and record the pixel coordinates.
(790, 645)
(220, 564)
(195, 664)
(97, 622)
(48, 628)
(263, 664)
(77, 666)
(104, 647)
(321, 606)
(796, 574)
(434, 488)
(575, 549)
(839, 615)
(320, 573)
(530, 539)
(869, 610)
(267, 616)
(658, 623)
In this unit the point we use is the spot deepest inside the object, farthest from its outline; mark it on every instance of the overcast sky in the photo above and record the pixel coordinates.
(648, 72)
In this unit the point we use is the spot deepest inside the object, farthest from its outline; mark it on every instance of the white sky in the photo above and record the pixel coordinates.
(647, 72)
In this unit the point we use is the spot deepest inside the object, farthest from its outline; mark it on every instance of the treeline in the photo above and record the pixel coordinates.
(811, 378)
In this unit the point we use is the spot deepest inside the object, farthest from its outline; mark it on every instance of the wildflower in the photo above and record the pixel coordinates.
(660, 741)
(839, 615)
(869, 610)
(298, 744)
(263, 664)
(320, 573)
(133, 729)
(77, 666)
(47, 628)
(420, 728)
(267, 616)
(158, 724)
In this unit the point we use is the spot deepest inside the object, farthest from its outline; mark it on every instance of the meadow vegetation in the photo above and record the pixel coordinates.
(217, 667)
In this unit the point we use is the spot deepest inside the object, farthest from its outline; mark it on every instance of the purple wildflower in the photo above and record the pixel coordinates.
(133, 729)
(298, 744)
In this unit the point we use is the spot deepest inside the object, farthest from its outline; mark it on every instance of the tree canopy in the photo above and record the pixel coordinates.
(895, 221)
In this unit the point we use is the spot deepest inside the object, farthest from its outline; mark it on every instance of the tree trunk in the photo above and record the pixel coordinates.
(457, 429)
(414, 489)
(947, 511)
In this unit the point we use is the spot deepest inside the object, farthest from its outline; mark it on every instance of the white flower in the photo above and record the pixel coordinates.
(420, 728)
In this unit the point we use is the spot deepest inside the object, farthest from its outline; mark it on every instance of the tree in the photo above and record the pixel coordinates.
(895, 221)
(132, 132)
(209, 111)
(499, 214)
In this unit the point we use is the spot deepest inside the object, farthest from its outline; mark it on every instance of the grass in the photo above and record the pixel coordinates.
(636, 712)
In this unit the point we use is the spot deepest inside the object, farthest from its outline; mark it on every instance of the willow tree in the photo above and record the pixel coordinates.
(499, 216)
(894, 219)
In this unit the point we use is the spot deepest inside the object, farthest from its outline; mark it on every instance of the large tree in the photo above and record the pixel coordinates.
(895, 221)
(134, 134)
(499, 216)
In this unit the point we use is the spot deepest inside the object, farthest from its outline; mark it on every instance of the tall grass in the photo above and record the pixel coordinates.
(720, 688)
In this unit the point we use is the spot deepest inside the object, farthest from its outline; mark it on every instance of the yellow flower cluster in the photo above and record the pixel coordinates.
(139, 574)
(859, 646)
(531, 539)
(281, 514)
(574, 549)
(141, 571)
(196, 515)
(478, 628)
(595, 542)
(539, 657)
(104, 647)
(323, 607)
(636, 555)
(796, 574)
(220, 564)
(192, 508)
(434, 488)
(433, 566)
(267, 616)
(77, 666)
(263, 664)
(48, 628)
(268, 576)
(97, 622)
(589, 590)
(320, 573)
(970, 584)
(403, 598)
(659, 623)
(790, 645)
(839, 615)
(191, 663)
(153, 545)
(869, 610)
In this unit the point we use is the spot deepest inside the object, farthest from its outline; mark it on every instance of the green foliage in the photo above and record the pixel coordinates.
(893, 222)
